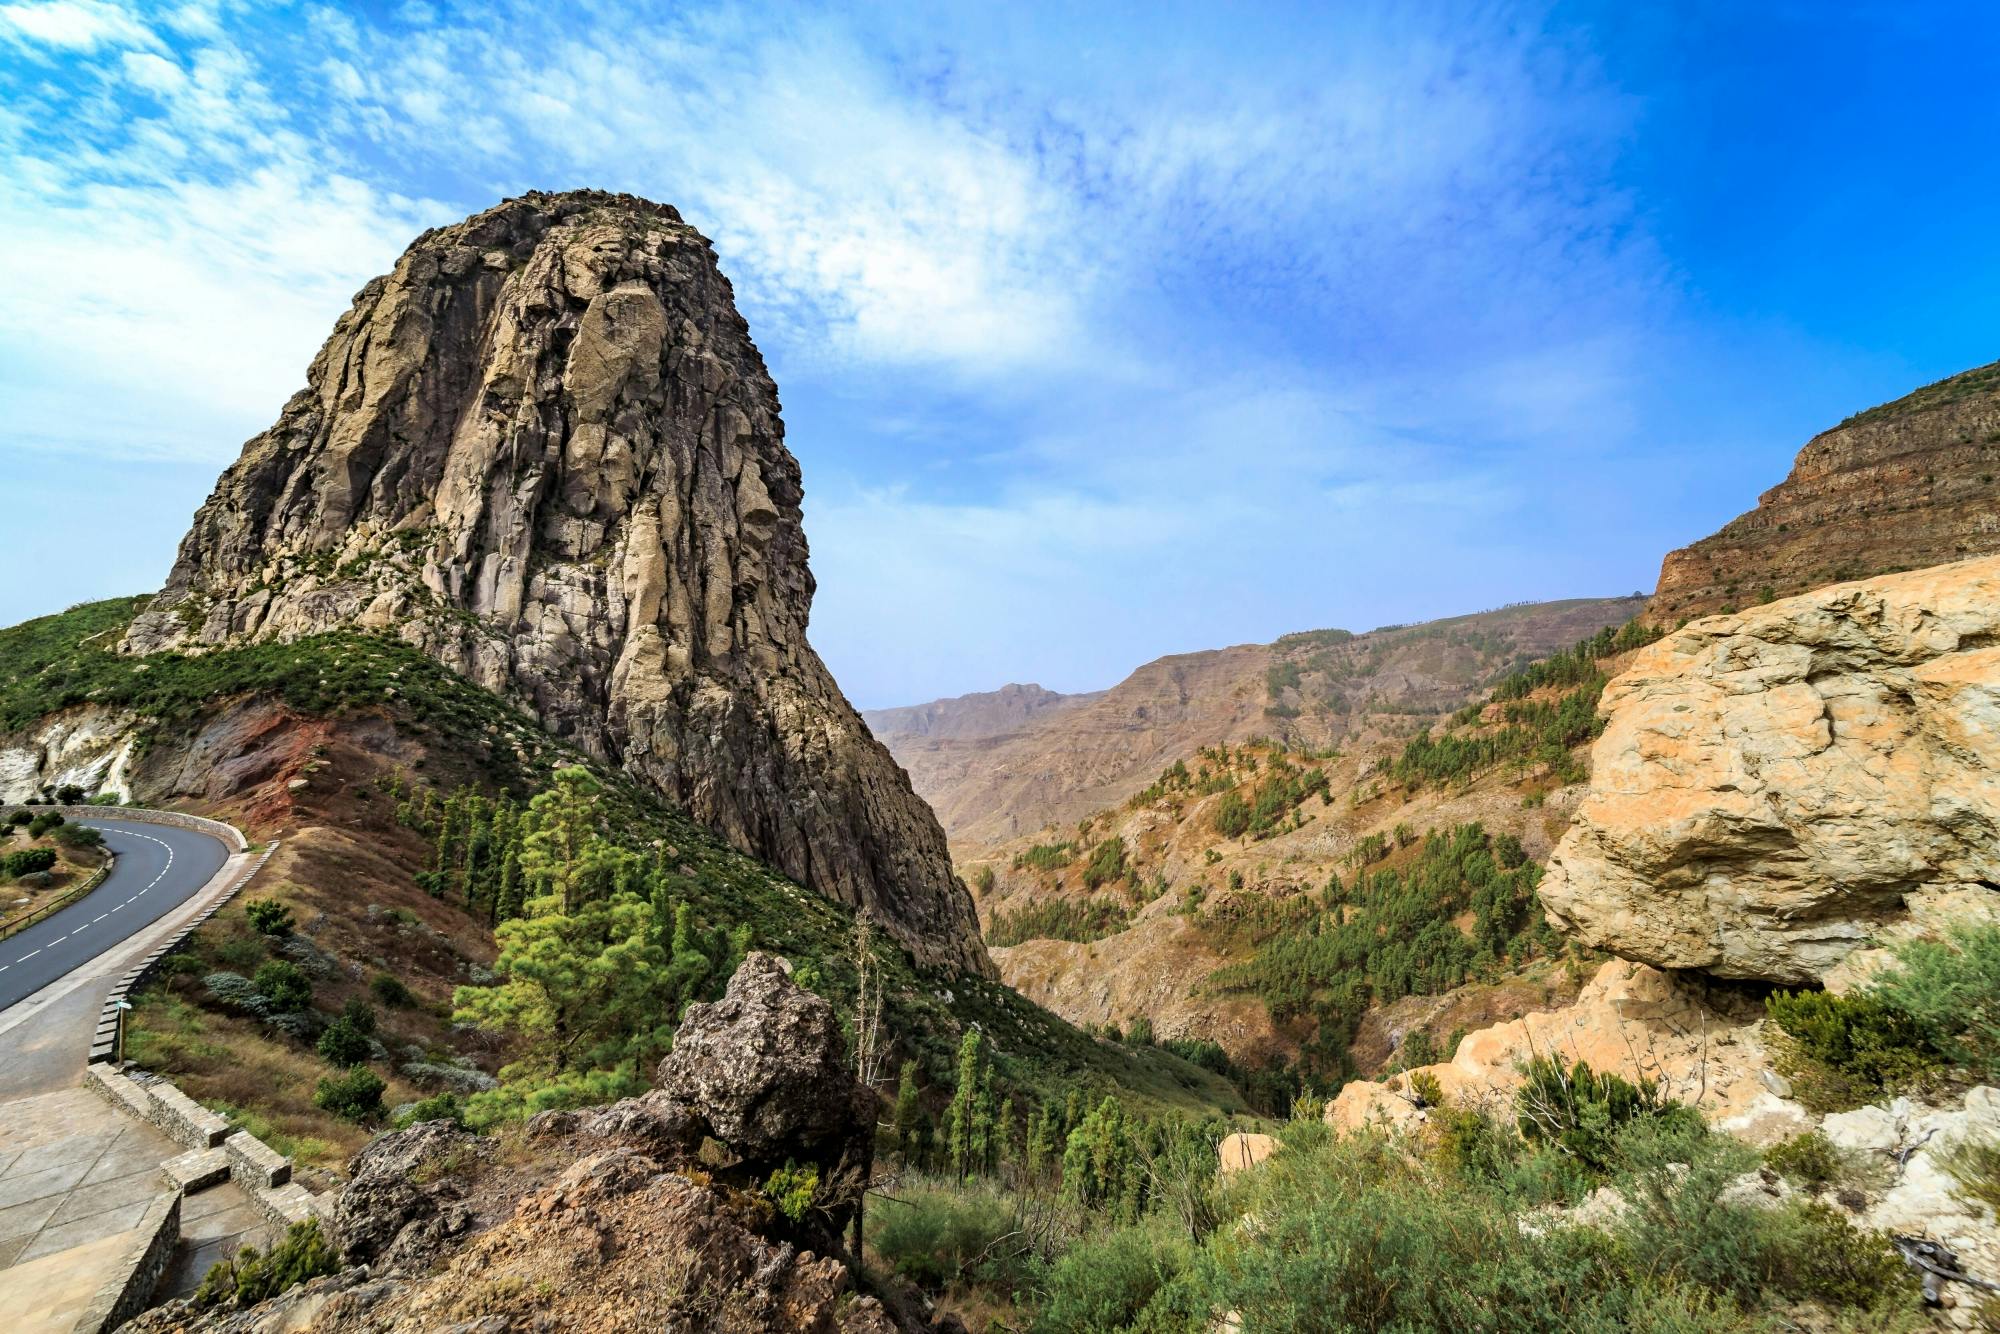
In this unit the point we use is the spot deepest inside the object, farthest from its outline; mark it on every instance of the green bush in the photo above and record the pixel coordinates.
(1861, 1045)
(251, 1277)
(932, 1235)
(437, 1107)
(1581, 1112)
(43, 823)
(1130, 1278)
(1975, 1166)
(791, 1189)
(28, 861)
(269, 917)
(78, 836)
(1810, 1161)
(343, 1043)
(354, 1096)
(284, 985)
(1951, 990)
(14, 818)
(391, 991)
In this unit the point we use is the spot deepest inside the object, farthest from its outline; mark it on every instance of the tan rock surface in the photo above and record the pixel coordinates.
(1631, 1020)
(545, 451)
(1773, 785)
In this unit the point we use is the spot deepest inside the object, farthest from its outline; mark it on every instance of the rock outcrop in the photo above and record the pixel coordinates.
(1898, 487)
(1774, 788)
(545, 451)
(616, 1218)
(1637, 1022)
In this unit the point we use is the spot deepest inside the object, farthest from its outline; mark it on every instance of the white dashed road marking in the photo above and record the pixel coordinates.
(135, 898)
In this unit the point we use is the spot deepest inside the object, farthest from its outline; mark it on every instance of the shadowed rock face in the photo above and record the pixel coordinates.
(1777, 788)
(545, 451)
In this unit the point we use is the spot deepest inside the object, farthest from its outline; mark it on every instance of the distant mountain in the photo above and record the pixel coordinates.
(1902, 486)
(1002, 764)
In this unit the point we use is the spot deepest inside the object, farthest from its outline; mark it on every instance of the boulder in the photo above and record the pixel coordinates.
(1243, 1150)
(1774, 786)
(764, 1071)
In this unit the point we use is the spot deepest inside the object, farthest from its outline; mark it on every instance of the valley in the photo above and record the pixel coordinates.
(1572, 962)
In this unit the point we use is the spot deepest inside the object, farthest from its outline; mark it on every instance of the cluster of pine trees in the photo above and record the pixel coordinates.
(1532, 733)
(600, 950)
(1390, 934)
(1097, 1155)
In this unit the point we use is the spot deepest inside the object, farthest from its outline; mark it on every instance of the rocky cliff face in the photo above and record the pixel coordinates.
(545, 451)
(1776, 788)
(1898, 487)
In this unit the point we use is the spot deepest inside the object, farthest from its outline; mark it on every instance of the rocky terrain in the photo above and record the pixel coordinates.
(1898, 487)
(545, 451)
(1004, 764)
(1775, 788)
(612, 1219)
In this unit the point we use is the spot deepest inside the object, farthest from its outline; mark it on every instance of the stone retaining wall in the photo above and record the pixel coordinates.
(228, 833)
(111, 1019)
(139, 1269)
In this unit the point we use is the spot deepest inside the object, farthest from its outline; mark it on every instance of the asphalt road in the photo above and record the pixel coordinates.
(159, 867)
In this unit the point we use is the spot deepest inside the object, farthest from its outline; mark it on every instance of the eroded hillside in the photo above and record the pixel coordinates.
(1897, 487)
(1005, 764)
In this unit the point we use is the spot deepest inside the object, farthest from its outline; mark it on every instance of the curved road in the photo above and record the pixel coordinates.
(159, 868)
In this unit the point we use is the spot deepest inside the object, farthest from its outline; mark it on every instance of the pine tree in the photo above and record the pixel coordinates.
(962, 1134)
(909, 1108)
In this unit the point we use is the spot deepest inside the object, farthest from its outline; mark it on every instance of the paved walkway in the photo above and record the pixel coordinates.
(75, 1173)
(75, 1176)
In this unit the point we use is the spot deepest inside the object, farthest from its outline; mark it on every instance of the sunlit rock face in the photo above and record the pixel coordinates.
(545, 451)
(1778, 787)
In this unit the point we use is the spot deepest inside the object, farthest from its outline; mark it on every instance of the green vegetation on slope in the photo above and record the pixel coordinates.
(1387, 935)
(1530, 732)
(1378, 1233)
(65, 660)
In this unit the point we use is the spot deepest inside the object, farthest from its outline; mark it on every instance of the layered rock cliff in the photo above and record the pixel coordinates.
(1898, 487)
(1777, 788)
(545, 451)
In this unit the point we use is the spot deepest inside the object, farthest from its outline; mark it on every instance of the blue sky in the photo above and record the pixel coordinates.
(1103, 332)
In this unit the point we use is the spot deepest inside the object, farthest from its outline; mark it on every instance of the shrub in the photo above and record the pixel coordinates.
(43, 823)
(1107, 863)
(1866, 1045)
(69, 794)
(1951, 989)
(251, 1277)
(1581, 1112)
(343, 1043)
(1810, 1161)
(1975, 1166)
(237, 992)
(437, 1107)
(28, 861)
(1127, 1278)
(354, 1096)
(283, 984)
(78, 836)
(360, 1014)
(13, 818)
(391, 991)
(791, 1188)
(269, 917)
(933, 1235)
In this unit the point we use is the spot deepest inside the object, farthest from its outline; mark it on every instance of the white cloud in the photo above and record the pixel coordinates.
(80, 25)
(1236, 324)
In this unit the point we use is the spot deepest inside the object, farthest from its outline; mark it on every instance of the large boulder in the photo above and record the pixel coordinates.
(1774, 787)
(764, 1071)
